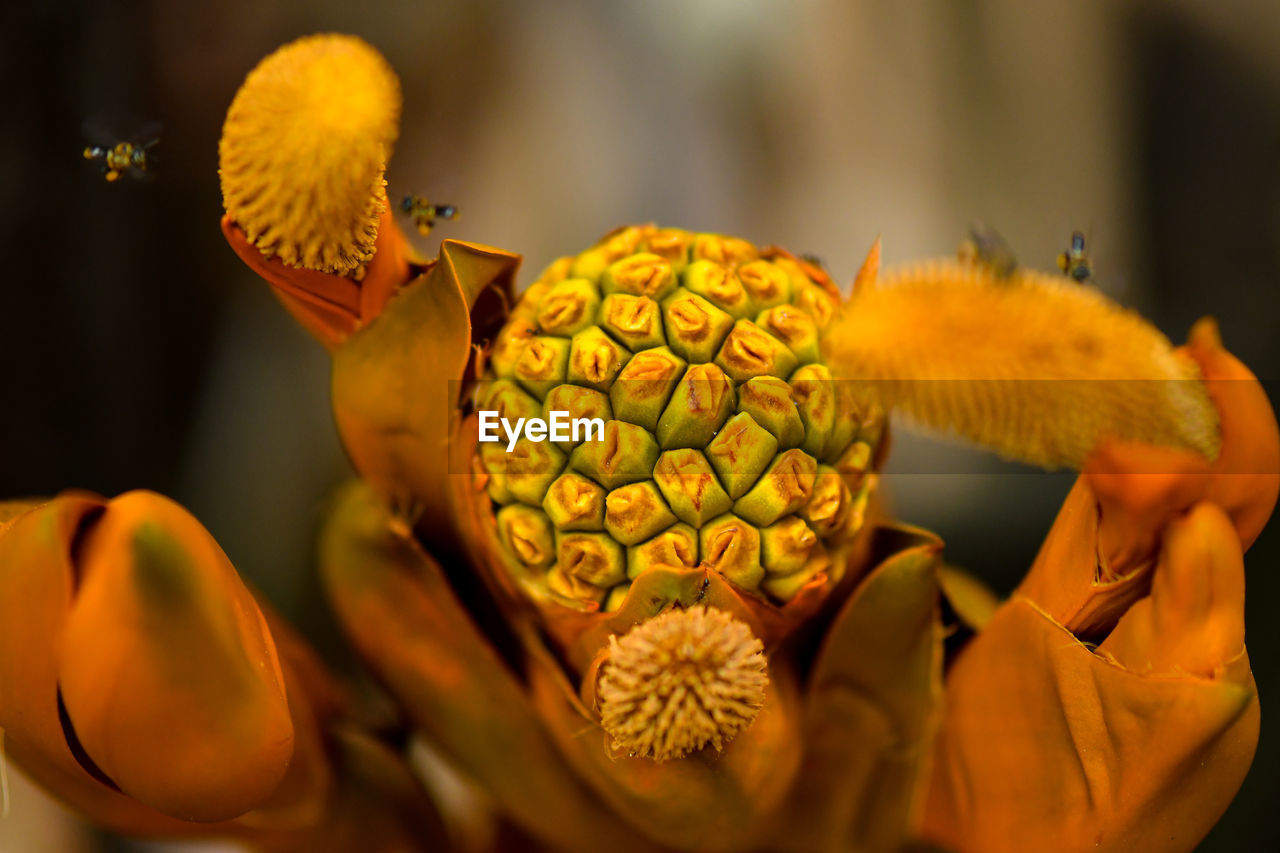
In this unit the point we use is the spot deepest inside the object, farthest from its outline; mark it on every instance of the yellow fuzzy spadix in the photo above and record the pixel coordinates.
(304, 149)
(1034, 366)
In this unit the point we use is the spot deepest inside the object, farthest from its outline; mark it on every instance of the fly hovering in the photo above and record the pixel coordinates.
(985, 246)
(1074, 262)
(123, 156)
(424, 214)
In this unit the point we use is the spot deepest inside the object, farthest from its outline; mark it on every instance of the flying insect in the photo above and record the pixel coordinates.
(1074, 262)
(120, 155)
(424, 214)
(985, 246)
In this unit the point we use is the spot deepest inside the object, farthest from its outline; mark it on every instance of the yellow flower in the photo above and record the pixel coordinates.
(304, 149)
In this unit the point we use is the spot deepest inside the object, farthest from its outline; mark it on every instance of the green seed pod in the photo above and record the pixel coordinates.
(830, 503)
(718, 286)
(794, 328)
(785, 486)
(556, 272)
(636, 512)
(642, 389)
(817, 303)
(635, 321)
(815, 396)
(730, 251)
(595, 359)
(626, 454)
(573, 591)
(684, 345)
(768, 400)
(872, 425)
(527, 533)
(671, 244)
(691, 489)
(741, 451)
(785, 545)
(568, 307)
(574, 502)
(849, 413)
(579, 403)
(675, 546)
(856, 518)
(855, 460)
(702, 400)
(509, 345)
(641, 274)
(695, 327)
(531, 467)
(592, 263)
(731, 546)
(506, 398)
(593, 558)
(542, 365)
(785, 587)
(765, 283)
(493, 462)
(750, 351)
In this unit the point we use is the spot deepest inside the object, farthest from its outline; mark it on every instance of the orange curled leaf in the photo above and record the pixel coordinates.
(1043, 739)
(167, 669)
(396, 381)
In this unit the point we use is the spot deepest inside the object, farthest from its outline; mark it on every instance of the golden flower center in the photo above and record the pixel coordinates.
(681, 681)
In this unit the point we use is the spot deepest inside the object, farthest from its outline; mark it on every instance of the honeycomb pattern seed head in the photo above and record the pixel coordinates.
(725, 444)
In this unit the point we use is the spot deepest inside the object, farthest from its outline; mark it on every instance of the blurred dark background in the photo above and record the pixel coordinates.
(137, 352)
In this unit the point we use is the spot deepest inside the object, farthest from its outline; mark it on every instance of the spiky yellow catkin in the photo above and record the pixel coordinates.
(1032, 365)
(304, 149)
(681, 681)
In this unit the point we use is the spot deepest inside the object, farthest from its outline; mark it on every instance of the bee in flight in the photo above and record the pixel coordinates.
(121, 158)
(985, 246)
(425, 214)
(1074, 262)
(131, 156)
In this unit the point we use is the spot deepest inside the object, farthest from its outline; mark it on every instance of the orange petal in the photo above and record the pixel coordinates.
(872, 704)
(403, 618)
(1247, 472)
(37, 591)
(168, 672)
(396, 381)
(870, 269)
(1043, 739)
(1193, 621)
(327, 305)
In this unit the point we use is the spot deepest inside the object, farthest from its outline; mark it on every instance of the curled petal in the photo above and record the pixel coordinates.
(403, 618)
(169, 675)
(872, 704)
(1042, 738)
(1247, 472)
(1193, 620)
(130, 651)
(397, 380)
